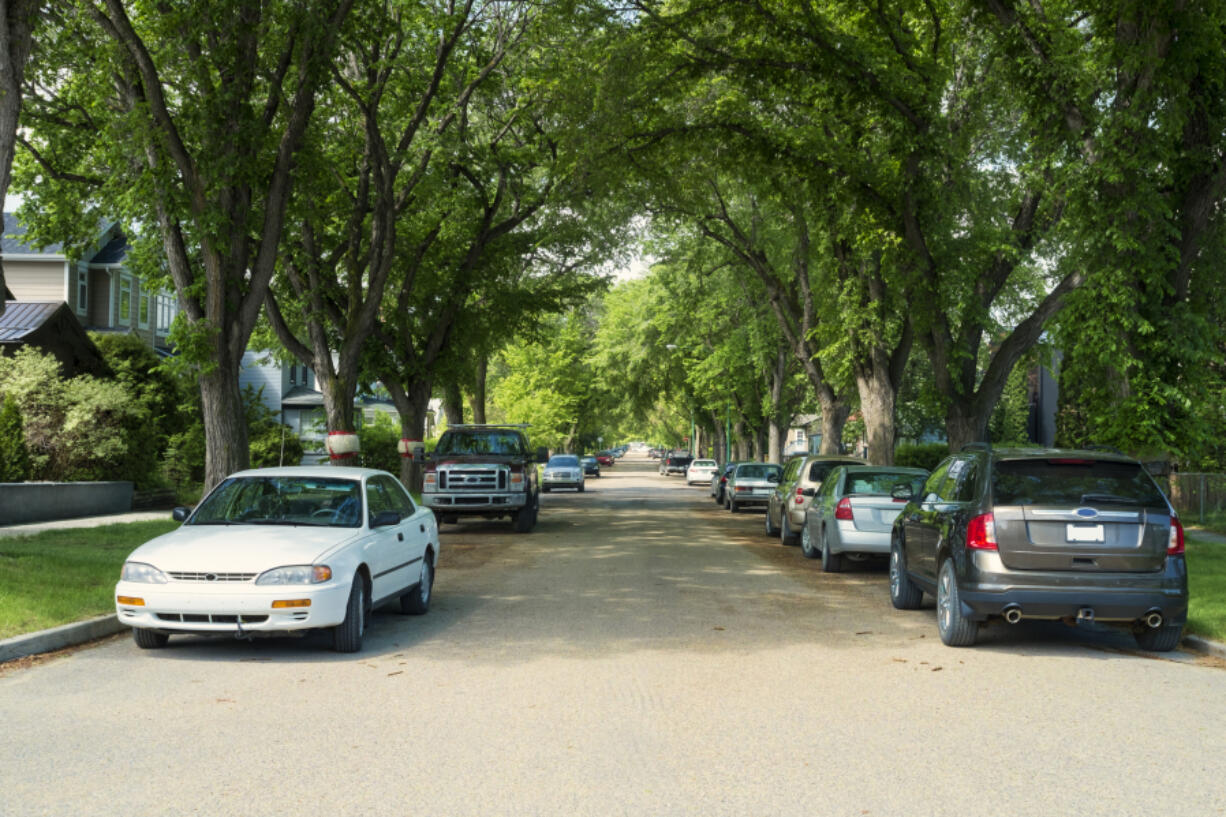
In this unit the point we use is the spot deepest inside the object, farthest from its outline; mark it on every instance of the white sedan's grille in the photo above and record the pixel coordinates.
(184, 576)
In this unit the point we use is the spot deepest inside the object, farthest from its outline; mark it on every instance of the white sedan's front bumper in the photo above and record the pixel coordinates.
(200, 607)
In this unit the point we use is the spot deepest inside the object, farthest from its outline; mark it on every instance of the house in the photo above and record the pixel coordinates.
(50, 326)
(288, 390)
(99, 289)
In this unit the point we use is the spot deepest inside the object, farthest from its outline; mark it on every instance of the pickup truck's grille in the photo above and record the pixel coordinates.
(473, 479)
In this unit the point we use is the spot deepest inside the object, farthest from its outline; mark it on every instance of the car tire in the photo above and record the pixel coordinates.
(956, 629)
(904, 593)
(545, 489)
(771, 530)
(580, 487)
(416, 602)
(148, 639)
(732, 507)
(786, 535)
(806, 543)
(1160, 639)
(347, 636)
(831, 562)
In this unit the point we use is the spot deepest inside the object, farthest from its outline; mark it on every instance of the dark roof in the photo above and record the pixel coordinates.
(13, 240)
(113, 253)
(302, 396)
(22, 318)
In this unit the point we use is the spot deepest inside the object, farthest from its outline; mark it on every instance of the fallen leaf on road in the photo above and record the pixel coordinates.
(899, 660)
(397, 672)
(865, 632)
(717, 628)
(937, 669)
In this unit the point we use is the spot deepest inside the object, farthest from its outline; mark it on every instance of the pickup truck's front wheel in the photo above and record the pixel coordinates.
(525, 519)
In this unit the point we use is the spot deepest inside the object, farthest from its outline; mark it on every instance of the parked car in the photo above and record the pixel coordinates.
(675, 463)
(1045, 534)
(854, 511)
(605, 458)
(562, 471)
(802, 476)
(751, 483)
(700, 471)
(272, 551)
(720, 479)
(591, 467)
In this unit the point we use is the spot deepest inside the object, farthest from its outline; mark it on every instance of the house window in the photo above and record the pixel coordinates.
(125, 300)
(165, 309)
(800, 435)
(142, 317)
(82, 291)
(293, 374)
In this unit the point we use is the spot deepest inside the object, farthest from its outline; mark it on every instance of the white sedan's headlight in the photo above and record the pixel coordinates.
(141, 572)
(296, 574)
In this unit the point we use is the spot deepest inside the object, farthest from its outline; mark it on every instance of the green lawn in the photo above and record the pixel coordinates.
(61, 576)
(1207, 586)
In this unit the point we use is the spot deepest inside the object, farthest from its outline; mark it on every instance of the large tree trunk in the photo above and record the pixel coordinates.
(834, 416)
(775, 423)
(411, 402)
(453, 403)
(338, 400)
(225, 425)
(478, 396)
(17, 19)
(966, 424)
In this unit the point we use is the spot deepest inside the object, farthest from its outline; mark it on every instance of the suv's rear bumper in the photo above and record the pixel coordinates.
(1111, 596)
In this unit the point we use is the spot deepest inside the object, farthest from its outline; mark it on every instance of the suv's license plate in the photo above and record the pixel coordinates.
(1085, 533)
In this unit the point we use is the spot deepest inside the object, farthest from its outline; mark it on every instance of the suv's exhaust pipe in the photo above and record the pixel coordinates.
(1013, 613)
(1152, 619)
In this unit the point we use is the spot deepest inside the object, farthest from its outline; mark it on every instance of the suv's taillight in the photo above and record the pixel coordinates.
(1174, 545)
(800, 495)
(843, 509)
(981, 533)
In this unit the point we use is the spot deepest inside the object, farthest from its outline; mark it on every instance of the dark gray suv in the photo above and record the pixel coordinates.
(1045, 534)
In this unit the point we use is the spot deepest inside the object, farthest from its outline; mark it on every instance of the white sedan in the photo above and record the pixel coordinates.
(277, 550)
(701, 471)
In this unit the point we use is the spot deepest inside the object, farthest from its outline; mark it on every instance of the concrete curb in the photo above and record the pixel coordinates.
(57, 638)
(1203, 645)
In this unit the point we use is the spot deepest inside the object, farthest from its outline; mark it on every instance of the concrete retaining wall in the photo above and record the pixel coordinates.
(43, 501)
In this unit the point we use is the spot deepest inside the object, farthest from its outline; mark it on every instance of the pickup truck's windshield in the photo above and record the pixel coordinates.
(503, 443)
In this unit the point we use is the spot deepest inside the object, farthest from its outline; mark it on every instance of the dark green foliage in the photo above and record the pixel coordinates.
(271, 442)
(924, 455)
(380, 442)
(14, 458)
(1008, 422)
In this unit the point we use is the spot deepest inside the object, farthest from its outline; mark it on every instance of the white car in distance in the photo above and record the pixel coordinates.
(701, 471)
(282, 551)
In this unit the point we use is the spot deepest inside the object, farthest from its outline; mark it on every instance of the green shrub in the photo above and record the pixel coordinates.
(14, 459)
(269, 442)
(380, 444)
(924, 455)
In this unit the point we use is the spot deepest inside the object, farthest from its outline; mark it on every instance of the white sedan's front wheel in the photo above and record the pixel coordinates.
(347, 636)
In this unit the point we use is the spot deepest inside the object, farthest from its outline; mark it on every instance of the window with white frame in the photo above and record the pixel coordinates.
(125, 300)
(142, 309)
(165, 309)
(83, 291)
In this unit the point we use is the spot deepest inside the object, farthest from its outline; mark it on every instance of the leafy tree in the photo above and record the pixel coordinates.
(14, 458)
(18, 23)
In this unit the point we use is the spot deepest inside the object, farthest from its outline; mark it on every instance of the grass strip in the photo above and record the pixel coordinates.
(60, 576)
(1207, 588)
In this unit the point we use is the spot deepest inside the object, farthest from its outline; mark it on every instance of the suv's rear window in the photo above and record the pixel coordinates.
(1058, 481)
(882, 482)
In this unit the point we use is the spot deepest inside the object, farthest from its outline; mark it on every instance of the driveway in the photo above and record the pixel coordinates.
(642, 652)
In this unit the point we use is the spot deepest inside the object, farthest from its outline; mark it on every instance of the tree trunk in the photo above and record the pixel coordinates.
(17, 19)
(720, 452)
(877, 398)
(338, 401)
(453, 403)
(411, 402)
(964, 424)
(834, 417)
(478, 395)
(225, 424)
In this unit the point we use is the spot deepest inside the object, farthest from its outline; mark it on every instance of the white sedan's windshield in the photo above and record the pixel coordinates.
(316, 501)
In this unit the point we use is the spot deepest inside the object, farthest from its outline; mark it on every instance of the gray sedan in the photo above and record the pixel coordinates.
(853, 513)
(751, 483)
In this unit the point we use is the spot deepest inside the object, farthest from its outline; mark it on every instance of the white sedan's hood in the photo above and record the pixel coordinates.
(239, 548)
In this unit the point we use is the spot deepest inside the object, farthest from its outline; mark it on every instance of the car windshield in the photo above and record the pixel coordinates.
(283, 500)
(1072, 481)
(702, 464)
(882, 482)
(756, 471)
(589, 460)
(563, 461)
(503, 443)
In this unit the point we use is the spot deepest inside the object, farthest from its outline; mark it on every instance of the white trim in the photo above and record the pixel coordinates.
(130, 280)
(145, 300)
(110, 298)
(28, 256)
(67, 282)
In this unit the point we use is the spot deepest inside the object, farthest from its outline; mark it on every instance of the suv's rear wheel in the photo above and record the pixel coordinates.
(786, 535)
(771, 528)
(904, 594)
(1158, 639)
(956, 629)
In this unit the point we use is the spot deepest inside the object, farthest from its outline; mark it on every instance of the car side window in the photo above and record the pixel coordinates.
(932, 488)
(376, 499)
(789, 472)
(967, 488)
(397, 496)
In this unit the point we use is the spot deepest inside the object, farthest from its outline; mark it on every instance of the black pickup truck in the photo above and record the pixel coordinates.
(484, 470)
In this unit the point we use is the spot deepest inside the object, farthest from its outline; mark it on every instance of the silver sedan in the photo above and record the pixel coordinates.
(562, 471)
(853, 513)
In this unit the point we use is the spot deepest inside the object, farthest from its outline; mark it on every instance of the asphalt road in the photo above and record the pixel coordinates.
(642, 652)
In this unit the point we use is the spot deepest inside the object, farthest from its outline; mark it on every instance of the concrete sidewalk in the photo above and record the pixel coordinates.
(31, 528)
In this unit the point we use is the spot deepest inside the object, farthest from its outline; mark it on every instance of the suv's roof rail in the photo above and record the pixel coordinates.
(976, 447)
(489, 425)
(1110, 449)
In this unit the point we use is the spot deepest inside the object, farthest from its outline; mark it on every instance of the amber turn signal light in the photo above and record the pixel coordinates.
(131, 601)
(281, 604)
